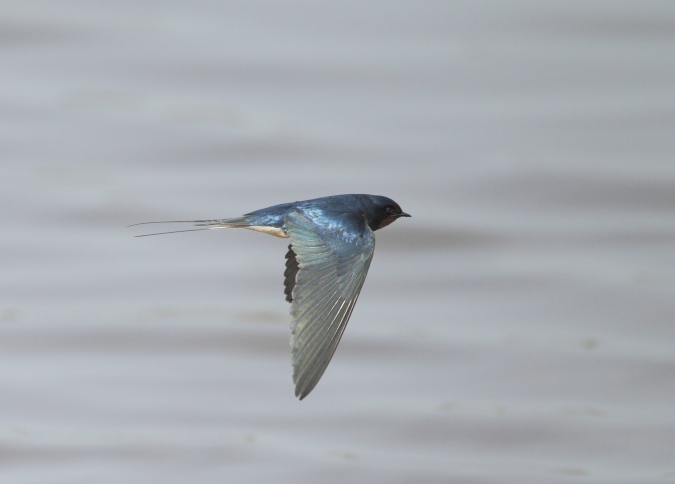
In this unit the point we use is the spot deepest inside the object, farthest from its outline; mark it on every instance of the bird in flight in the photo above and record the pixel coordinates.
(331, 246)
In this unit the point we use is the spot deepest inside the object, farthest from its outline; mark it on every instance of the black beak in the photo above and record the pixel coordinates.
(403, 214)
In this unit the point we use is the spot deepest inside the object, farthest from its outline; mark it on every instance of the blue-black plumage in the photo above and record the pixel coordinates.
(331, 247)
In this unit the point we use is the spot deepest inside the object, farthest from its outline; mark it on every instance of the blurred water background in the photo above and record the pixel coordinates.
(518, 329)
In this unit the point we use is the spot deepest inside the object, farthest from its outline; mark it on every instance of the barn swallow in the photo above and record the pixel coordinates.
(331, 247)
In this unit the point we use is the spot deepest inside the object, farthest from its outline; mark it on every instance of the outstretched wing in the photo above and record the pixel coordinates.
(332, 268)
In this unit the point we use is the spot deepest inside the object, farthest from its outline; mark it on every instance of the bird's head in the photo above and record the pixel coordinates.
(381, 211)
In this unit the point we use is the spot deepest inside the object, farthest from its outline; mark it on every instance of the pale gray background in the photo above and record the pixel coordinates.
(518, 329)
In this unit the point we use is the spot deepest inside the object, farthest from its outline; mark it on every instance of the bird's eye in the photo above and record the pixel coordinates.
(390, 210)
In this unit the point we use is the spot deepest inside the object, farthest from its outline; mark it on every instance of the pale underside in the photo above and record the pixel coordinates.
(277, 232)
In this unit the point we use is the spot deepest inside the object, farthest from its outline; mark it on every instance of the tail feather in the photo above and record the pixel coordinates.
(214, 224)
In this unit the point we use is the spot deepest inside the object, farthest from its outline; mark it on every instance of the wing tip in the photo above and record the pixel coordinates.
(301, 392)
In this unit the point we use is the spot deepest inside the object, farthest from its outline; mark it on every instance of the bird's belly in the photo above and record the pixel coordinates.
(276, 231)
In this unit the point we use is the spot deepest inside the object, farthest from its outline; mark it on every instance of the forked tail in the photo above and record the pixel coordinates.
(227, 223)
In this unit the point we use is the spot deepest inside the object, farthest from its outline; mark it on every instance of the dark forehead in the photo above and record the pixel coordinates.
(384, 201)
